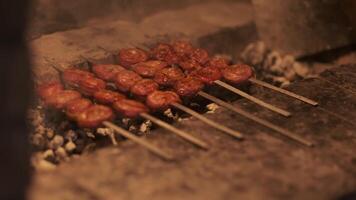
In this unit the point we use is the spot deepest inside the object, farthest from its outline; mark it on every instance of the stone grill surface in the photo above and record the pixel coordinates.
(264, 166)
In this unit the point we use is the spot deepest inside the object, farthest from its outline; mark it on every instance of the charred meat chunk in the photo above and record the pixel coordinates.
(237, 74)
(94, 116)
(149, 68)
(107, 72)
(161, 100)
(188, 87)
(131, 56)
(126, 79)
(130, 108)
(169, 76)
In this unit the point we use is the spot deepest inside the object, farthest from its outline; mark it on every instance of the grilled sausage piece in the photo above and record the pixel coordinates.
(168, 76)
(182, 48)
(188, 86)
(149, 68)
(49, 89)
(161, 100)
(60, 99)
(189, 65)
(237, 74)
(72, 77)
(107, 72)
(165, 52)
(207, 74)
(160, 51)
(129, 108)
(94, 116)
(88, 86)
(126, 79)
(77, 106)
(218, 62)
(143, 88)
(172, 58)
(200, 55)
(131, 56)
(107, 96)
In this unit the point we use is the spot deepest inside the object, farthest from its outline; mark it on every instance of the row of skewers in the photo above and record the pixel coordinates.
(153, 81)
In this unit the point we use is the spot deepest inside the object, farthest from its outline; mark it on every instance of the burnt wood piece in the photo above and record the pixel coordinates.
(261, 167)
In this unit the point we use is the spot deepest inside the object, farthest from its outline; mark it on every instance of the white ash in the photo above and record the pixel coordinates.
(282, 69)
(113, 139)
(254, 53)
(90, 134)
(132, 128)
(168, 113)
(145, 127)
(126, 121)
(212, 107)
(105, 131)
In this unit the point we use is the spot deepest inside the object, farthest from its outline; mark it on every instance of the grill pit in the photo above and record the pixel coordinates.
(265, 166)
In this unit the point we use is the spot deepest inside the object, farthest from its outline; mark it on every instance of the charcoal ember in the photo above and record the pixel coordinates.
(70, 146)
(80, 144)
(40, 130)
(50, 133)
(41, 164)
(56, 142)
(35, 116)
(49, 156)
(71, 135)
(38, 141)
(64, 125)
(82, 141)
(61, 154)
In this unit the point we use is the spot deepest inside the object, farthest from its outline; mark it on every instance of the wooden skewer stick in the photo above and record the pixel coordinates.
(263, 122)
(113, 139)
(180, 133)
(253, 99)
(225, 129)
(138, 140)
(283, 91)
